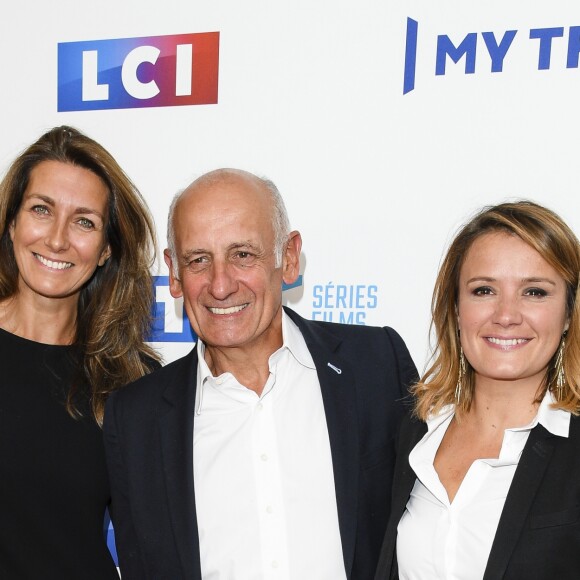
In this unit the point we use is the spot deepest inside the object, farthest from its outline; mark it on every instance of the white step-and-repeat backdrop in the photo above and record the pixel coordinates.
(384, 124)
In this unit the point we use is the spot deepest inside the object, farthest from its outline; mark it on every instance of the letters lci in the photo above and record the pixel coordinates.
(153, 71)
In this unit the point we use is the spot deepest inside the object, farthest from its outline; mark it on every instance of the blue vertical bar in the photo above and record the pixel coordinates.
(410, 56)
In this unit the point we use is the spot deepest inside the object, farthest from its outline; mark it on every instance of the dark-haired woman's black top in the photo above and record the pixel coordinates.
(53, 479)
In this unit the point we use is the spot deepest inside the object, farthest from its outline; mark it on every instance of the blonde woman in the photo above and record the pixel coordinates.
(487, 483)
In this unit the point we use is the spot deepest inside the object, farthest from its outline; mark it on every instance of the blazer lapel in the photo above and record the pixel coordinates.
(338, 386)
(529, 473)
(176, 433)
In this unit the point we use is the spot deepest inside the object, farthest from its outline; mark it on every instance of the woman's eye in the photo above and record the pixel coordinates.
(40, 209)
(482, 291)
(86, 223)
(540, 292)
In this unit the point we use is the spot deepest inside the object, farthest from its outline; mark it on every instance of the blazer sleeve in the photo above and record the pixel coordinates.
(407, 370)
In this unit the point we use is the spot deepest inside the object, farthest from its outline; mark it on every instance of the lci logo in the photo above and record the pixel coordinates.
(496, 47)
(151, 71)
(170, 322)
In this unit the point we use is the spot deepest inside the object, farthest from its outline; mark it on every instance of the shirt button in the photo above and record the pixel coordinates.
(260, 407)
(269, 509)
(264, 457)
(275, 563)
(219, 381)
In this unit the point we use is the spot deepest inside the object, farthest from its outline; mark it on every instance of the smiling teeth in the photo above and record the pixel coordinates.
(53, 265)
(230, 310)
(507, 341)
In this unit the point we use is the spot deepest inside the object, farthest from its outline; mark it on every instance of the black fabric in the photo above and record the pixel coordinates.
(53, 481)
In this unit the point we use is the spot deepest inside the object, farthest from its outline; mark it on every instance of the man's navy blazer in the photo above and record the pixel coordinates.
(538, 534)
(364, 372)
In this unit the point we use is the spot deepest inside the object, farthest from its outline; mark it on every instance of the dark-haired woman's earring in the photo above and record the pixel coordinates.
(560, 378)
(459, 385)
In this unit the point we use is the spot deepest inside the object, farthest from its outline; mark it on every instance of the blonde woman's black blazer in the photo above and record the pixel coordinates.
(538, 535)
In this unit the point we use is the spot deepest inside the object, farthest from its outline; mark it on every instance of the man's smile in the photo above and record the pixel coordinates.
(230, 310)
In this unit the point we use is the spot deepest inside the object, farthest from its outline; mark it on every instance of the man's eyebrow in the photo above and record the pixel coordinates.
(188, 254)
(244, 244)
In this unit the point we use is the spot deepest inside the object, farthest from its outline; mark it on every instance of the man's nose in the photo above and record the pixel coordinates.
(223, 281)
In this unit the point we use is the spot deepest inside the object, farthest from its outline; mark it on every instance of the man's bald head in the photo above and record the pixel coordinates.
(232, 177)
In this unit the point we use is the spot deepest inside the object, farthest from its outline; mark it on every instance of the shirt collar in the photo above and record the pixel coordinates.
(433, 421)
(556, 421)
(203, 372)
(292, 342)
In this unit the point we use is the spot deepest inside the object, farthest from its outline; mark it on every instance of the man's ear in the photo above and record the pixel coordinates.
(291, 258)
(174, 282)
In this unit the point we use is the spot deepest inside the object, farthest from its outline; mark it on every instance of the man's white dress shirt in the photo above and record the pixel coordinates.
(438, 540)
(264, 483)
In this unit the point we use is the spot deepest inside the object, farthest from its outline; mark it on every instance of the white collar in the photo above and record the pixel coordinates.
(292, 341)
(556, 421)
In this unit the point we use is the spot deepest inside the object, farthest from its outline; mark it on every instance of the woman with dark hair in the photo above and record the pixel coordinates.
(76, 245)
(487, 481)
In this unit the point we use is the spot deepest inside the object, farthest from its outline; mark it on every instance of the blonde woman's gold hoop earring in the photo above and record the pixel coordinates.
(560, 378)
(459, 386)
